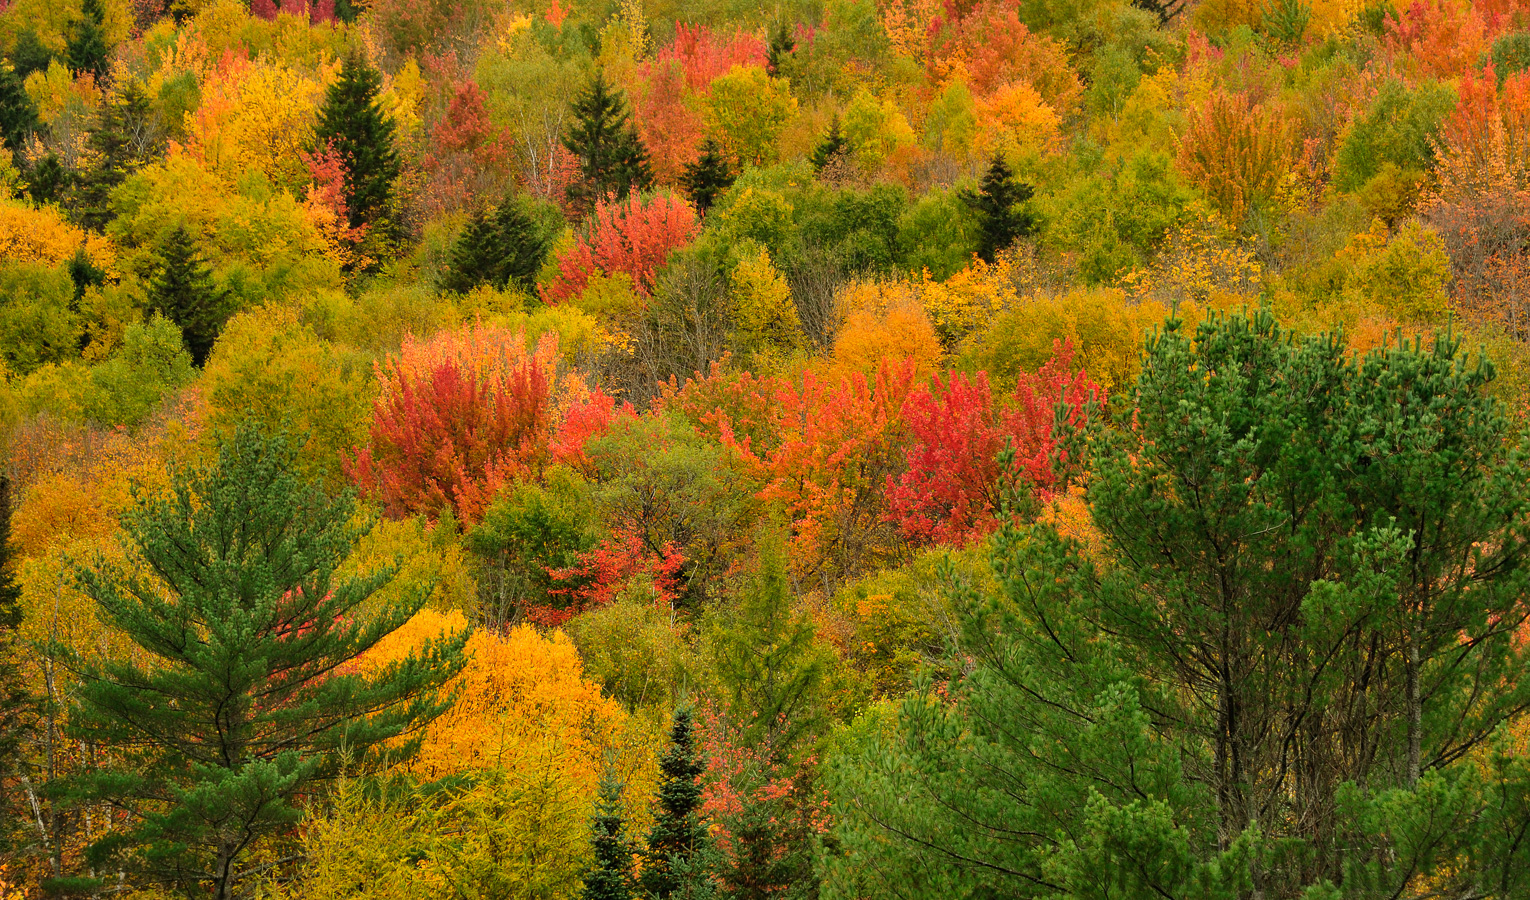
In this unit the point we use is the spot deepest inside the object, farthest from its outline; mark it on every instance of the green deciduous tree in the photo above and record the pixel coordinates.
(612, 160)
(241, 697)
(998, 203)
(1286, 670)
(356, 127)
(182, 290)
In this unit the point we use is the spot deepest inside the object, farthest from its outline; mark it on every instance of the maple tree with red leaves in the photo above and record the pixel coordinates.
(584, 420)
(633, 236)
(955, 481)
(469, 157)
(457, 417)
(602, 573)
(764, 813)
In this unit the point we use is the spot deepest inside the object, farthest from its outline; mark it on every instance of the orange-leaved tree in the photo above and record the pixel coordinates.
(824, 449)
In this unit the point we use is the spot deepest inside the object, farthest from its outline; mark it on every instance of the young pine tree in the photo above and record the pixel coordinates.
(612, 160)
(475, 254)
(832, 145)
(677, 833)
(182, 290)
(503, 248)
(126, 137)
(781, 46)
(18, 115)
(241, 697)
(998, 205)
(29, 54)
(708, 178)
(86, 49)
(352, 122)
(610, 878)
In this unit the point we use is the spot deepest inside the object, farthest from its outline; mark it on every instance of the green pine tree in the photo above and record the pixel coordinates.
(18, 115)
(501, 249)
(361, 133)
(610, 878)
(474, 255)
(85, 275)
(1298, 633)
(832, 145)
(126, 138)
(523, 245)
(238, 703)
(48, 181)
(30, 54)
(677, 834)
(780, 48)
(708, 178)
(769, 665)
(182, 290)
(612, 160)
(998, 203)
(86, 49)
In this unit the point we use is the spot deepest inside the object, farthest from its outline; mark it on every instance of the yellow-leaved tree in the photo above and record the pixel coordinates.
(524, 746)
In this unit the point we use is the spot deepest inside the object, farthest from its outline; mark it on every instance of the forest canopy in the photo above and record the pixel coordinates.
(850, 449)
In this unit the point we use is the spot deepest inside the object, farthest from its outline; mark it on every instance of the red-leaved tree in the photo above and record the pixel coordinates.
(601, 574)
(952, 487)
(634, 236)
(469, 157)
(456, 417)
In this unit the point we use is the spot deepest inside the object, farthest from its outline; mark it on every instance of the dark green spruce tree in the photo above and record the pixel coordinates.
(610, 877)
(85, 48)
(30, 54)
(832, 145)
(780, 48)
(502, 248)
(708, 178)
(238, 703)
(48, 181)
(18, 115)
(127, 136)
(999, 204)
(352, 122)
(678, 834)
(612, 160)
(182, 290)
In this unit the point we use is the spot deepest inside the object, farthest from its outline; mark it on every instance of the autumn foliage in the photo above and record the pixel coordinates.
(955, 481)
(633, 237)
(456, 418)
